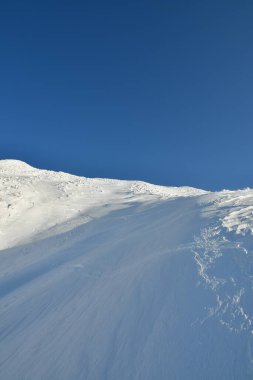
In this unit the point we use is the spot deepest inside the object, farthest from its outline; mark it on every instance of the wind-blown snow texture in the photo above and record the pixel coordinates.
(105, 279)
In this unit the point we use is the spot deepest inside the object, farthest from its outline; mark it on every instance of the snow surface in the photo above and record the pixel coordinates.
(106, 279)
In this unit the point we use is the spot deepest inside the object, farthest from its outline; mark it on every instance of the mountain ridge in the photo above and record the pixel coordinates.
(108, 279)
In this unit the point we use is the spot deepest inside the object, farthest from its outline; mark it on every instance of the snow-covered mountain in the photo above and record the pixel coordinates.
(105, 279)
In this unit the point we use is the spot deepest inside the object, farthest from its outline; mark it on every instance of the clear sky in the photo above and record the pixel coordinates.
(160, 90)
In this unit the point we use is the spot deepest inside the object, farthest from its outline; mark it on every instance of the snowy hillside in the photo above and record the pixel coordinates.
(117, 280)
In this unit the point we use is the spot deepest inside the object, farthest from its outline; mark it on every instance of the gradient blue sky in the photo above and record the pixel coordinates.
(157, 90)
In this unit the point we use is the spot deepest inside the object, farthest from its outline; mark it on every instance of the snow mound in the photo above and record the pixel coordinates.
(14, 167)
(165, 192)
(240, 216)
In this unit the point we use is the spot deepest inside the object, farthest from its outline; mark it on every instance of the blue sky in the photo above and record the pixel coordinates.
(159, 91)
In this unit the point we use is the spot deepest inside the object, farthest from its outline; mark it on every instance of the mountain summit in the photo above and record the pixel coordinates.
(110, 279)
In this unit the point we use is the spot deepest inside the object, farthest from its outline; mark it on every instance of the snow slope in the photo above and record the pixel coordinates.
(106, 279)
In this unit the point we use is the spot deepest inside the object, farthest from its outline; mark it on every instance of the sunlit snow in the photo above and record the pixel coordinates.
(120, 280)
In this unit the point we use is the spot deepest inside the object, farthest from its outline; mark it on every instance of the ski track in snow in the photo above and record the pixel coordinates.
(106, 279)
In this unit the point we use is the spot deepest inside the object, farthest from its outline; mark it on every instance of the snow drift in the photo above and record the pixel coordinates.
(107, 279)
